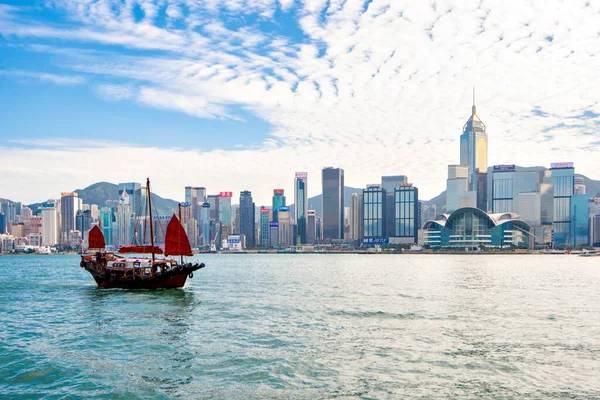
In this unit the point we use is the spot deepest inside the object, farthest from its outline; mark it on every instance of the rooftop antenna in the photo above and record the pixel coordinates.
(473, 99)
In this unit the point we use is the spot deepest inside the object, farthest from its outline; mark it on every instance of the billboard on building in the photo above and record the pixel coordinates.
(301, 174)
(274, 224)
(277, 191)
(226, 194)
(376, 240)
(504, 167)
(556, 165)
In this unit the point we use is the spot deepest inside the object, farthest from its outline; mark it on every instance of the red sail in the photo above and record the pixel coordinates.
(96, 238)
(176, 240)
(140, 249)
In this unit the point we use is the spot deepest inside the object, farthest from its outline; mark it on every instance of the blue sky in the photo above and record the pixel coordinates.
(240, 94)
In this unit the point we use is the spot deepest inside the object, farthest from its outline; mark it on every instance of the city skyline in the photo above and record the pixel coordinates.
(374, 88)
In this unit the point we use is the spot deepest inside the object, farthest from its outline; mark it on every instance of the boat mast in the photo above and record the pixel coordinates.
(179, 212)
(150, 210)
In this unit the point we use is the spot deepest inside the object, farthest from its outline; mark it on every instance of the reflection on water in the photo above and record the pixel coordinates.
(284, 326)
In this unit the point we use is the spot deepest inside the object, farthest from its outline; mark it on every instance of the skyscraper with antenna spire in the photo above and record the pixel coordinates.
(474, 146)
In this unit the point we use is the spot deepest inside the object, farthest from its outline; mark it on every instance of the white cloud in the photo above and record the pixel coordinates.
(45, 77)
(379, 88)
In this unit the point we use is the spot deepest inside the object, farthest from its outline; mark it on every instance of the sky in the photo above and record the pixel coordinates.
(241, 94)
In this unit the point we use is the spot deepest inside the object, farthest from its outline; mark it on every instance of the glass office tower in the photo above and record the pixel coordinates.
(563, 185)
(373, 212)
(474, 146)
(502, 188)
(247, 217)
(407, 215)
(300, 203)
(579, 235)
(265, 218)
(278, 202)
(389, 184)
(333, 203)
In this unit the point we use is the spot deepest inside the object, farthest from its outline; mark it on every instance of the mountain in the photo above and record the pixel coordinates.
(99, 192)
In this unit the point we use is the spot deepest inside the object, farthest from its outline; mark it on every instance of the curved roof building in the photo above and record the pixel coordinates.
(470, 227)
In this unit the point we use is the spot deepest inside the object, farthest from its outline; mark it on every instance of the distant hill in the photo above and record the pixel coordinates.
(99, 192)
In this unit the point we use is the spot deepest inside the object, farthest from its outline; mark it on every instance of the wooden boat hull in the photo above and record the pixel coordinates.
(110, 279)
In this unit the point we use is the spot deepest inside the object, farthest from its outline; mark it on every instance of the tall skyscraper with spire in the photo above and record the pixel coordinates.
(474, 146)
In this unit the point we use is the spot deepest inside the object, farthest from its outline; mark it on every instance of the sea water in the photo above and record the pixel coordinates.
(307, 326)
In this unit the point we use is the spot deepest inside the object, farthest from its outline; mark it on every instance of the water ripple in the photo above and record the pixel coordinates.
(286, 327)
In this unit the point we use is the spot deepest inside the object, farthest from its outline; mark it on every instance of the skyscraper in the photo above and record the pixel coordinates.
(70, 203)
(474, 146)
(407, 214)
(125, 220)
(83, 222)
(300, 203)
(374, 213)
(134, 193)
(49, 224)
(579, 220)
(278, 201)
(563, 181)
(213, 200)
(285, 227)
(457, 189)
(107, 221)
(205, 223)
(195, 196)
(265, 218)
(355, 217)
(311, 226)
(333, 203)
(247, 225)
(225, 214)
(389, 184)
(502, 188)
(2, 224)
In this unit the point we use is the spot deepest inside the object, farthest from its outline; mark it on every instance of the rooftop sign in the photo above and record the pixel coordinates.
(301, 174)
(68, 194)
(374, 186)
(265, 210)
(274, 224)
(277, 191)
(405, 185)
(226, 194)
(284, 208)
(504, 167)
(556, 165)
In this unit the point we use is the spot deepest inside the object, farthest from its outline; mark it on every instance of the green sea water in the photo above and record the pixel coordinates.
(308, 327)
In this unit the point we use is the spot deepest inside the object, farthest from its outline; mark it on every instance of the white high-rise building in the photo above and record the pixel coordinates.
(458, 194)
(49, 226)
(70, 203)
(355, 217)
(95, 212)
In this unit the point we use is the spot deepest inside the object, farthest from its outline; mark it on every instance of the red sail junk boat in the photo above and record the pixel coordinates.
(111, 270)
